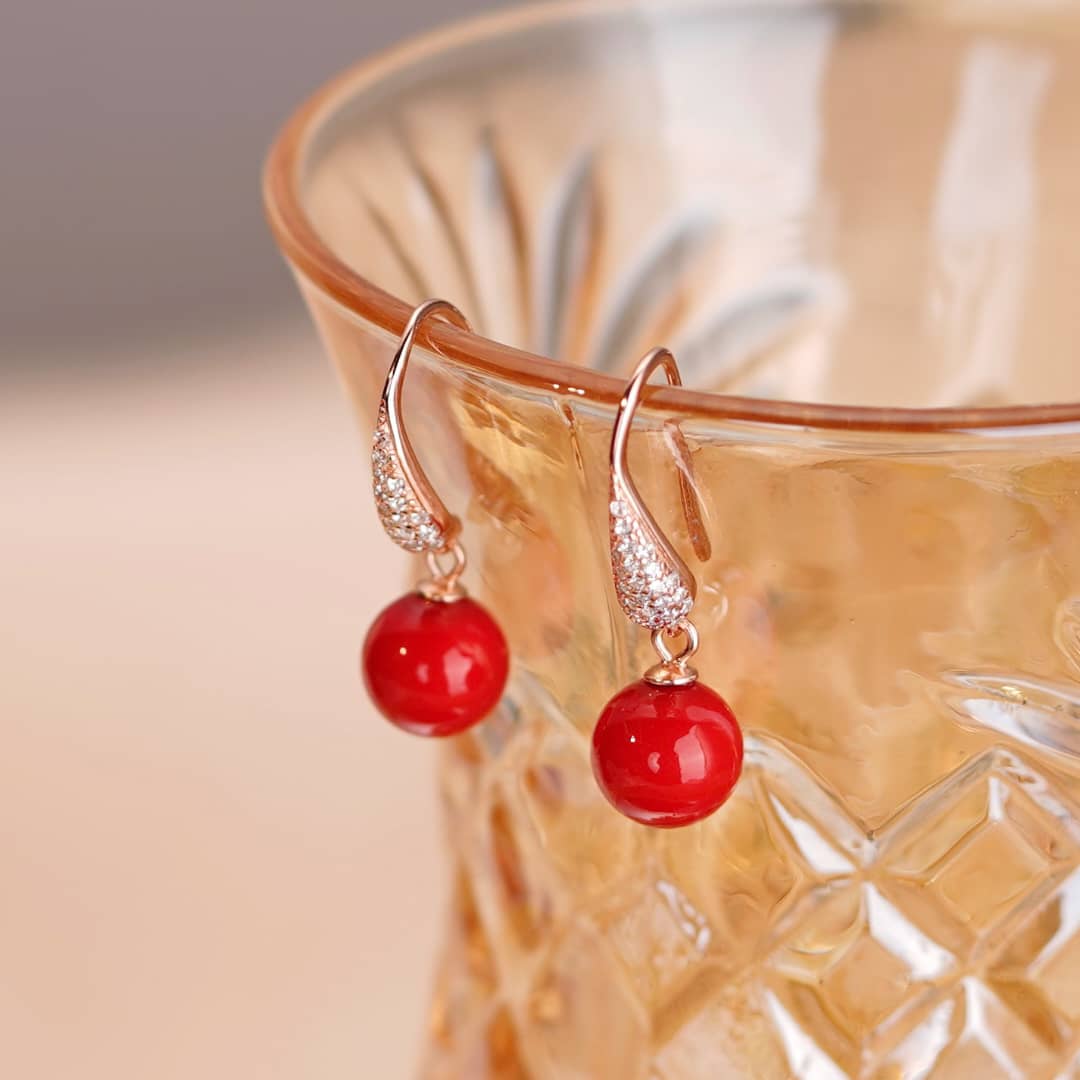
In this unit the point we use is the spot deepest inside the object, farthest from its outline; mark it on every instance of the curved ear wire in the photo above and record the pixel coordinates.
(410, 511)
(654, 585)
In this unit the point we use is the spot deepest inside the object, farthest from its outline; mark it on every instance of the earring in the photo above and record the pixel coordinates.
(667, 750)
(434, 662)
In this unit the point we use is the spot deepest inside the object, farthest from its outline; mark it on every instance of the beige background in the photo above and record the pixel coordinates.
(214, 861)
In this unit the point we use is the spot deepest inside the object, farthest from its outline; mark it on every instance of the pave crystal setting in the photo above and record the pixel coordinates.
(403, 517)
(650, 587)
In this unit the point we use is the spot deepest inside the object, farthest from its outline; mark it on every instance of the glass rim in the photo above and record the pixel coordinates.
(311, 256)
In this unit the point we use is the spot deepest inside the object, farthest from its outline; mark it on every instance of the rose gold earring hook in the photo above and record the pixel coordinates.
(654, 585)
(410, 510)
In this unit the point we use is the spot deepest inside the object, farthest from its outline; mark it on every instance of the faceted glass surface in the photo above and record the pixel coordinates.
(857, 205)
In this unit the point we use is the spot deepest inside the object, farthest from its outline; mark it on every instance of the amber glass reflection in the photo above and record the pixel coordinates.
(844, 207)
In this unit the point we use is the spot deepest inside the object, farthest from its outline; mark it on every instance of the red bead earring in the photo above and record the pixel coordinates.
(667, 750)
(434, 662)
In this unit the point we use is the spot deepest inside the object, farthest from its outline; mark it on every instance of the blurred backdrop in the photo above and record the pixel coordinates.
(214, 861)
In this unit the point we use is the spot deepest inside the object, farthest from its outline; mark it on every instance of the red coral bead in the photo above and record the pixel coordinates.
(667, 755)
(435, 668)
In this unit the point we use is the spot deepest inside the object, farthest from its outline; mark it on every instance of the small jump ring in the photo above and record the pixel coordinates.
(457, 553)
(444, 584)
(683, 626)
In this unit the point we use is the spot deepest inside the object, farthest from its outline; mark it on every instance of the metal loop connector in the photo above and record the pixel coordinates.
(674, 668)
(444, 584)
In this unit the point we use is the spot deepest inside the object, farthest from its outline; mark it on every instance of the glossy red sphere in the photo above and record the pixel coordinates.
(667, 755)
(435, 668)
